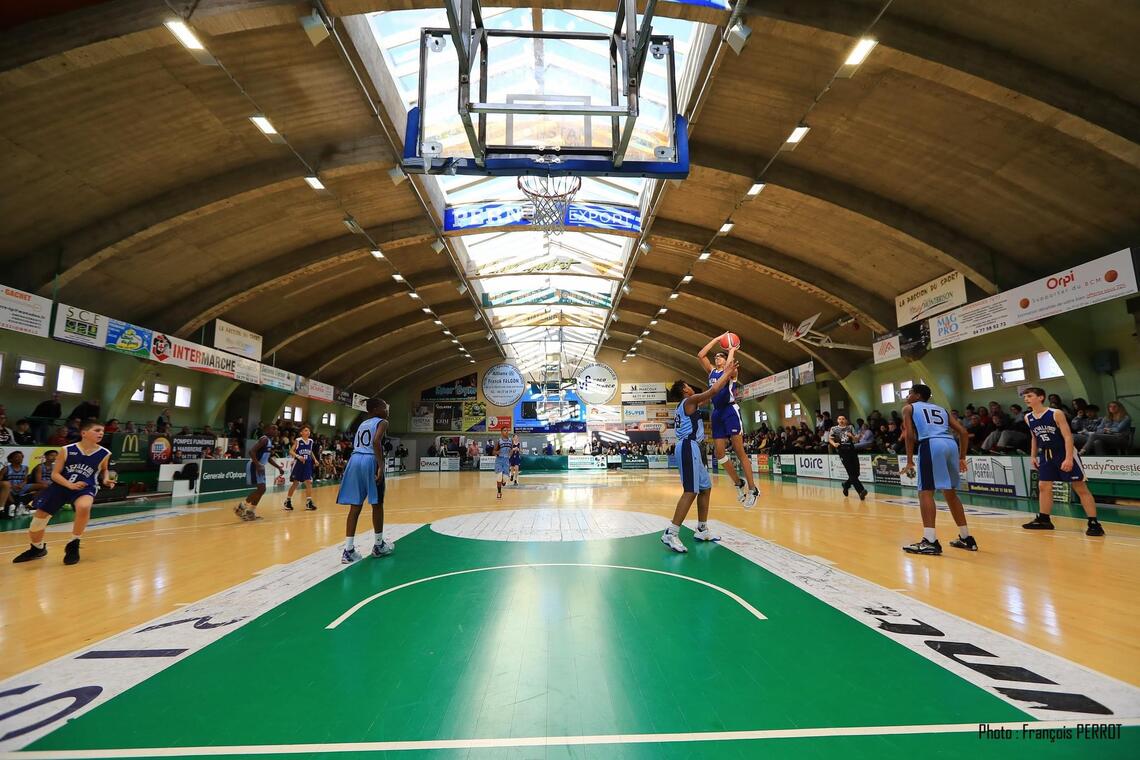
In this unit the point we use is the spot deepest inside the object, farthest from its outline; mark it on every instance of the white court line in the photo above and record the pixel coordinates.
(548, 741)
(356, 607)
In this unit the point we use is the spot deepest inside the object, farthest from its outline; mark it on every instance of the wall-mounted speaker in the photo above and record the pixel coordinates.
(1106, 362)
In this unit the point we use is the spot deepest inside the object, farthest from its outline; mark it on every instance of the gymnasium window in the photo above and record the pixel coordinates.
(904, 388)
(70, 379)
(1013, 371)
(887, 393)
(288, 413)
(759, 416)
(982, 376)
(328, 418)
(160, 393)
(297, 416)
(31, 373)
(182, 396)
(792, 411)
(140, 392)
(1047, 366)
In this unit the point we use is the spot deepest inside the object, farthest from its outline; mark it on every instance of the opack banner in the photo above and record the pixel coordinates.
(464, 388)
(76, 325)
(429, 464)
(1103, 279)
(237, 340)
(128, 339)
(932, 298)
(643, 393)
(24, 312)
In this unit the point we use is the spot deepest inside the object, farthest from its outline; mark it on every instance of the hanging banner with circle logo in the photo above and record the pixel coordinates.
(597, 383)
(503, 385)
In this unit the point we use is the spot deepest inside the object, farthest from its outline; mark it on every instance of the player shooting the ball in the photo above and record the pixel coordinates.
(727, 425)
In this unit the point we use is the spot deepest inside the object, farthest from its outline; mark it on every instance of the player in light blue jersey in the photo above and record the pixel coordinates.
(942, 444)
(259, 456)
(695, 481)
(364, 479)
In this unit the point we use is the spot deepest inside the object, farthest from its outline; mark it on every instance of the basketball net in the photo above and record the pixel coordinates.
(548, 198)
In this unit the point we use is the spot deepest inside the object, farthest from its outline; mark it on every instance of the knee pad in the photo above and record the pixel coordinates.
(39, 523)
(724, 459)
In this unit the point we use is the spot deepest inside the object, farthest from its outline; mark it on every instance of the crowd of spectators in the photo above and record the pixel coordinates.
(992, 429)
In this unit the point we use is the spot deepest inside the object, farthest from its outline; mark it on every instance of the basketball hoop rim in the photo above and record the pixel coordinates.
(563, 196)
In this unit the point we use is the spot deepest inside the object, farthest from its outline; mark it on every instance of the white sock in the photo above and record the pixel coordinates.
(350, 543)
(40, 545)
(672, 529)
(963, 531)
(702, 526)
(379, 539)
(928, 534)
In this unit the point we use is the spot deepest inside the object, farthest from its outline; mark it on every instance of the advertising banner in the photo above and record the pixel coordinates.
(487, 464)
(464, 388)
(1111, 468)
(996, 476)
(836, 470)
(887, 348)
(598, 216)
(159, 449)
(278, 378)
(1062, 491)
(498, 424)
(24, 312)
(474, 417)
(787, 464)
(600, 415)
(128, 339)
(446, 417)
(634, 462)
(320, 391)
(301, 386)
(642, 393)
(76, 325)
(596, 383)
(935, 297)
(429, 464)
(811, 466)
(657, 461)
(127, 447)
(765, 386)
(247, 370)
(359, 403)
(1106, 278)
(585, 462)
(885, 469)
(191, 446)
(222, 475)
(503, 385)
(803, 374)
(634, 414)
(423, 418)
(449, 464)
(237, 340)
(342, 396)
(181, 353)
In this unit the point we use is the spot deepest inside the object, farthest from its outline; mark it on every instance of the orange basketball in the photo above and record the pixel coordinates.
(1110, 275)
(729, 340)
(1024, 303)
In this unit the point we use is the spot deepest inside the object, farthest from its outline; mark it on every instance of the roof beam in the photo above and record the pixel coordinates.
(843, 294)
(401, 353)
(82, 250)
(229, 292)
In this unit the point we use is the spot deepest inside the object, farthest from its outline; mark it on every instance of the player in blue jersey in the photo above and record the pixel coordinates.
(1052, 454)
(302, 452)
(15, 485)
(75, 479)
(259, 456)
(942, 444)
(695, 482)
(502, 462)
(727, 425)
(364, 480)
(515, 460)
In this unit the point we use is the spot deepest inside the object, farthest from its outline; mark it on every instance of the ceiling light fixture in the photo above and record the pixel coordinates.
(447, 332)
(644, 333)
(726, 228)
(705, 255)
(437, 246)
(436, 321)
(377, 253)
(314, 182)
(352, 226)
(414, 295)
(453, 340)
(653, 321)
(185, 35)
(737, 36)
(796, 137)
(755, 189)
(687, 279)
(662, 310)
(398, 277)
(674, 296)
(426, 310)
(860, 52)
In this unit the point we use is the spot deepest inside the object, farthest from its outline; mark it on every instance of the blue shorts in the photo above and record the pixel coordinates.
(694, 474)
(301, 471)
(516, 461)
(359, 482)
(502, 467)
(726, 422)
(1050, 469)
(254, 478)
(937, 464)
(52, 498)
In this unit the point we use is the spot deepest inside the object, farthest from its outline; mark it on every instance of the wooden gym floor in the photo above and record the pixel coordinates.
(907, 639)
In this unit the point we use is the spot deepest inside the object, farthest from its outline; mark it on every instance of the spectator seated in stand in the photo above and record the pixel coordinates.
(7, 434)
(23, 432)
(111, 426)
(1112, 435)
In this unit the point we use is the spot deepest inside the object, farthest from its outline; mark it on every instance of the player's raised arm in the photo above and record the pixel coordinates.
(703, 354)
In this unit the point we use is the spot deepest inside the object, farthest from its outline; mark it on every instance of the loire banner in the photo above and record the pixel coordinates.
(812, 466)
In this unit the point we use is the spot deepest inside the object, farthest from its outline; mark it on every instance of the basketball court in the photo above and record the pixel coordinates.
(386, 195)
